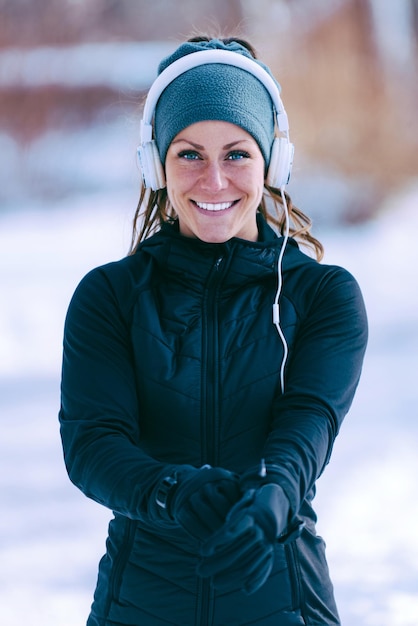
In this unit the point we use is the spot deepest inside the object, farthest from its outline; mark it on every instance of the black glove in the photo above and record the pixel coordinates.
(198, 499)
(241, 553)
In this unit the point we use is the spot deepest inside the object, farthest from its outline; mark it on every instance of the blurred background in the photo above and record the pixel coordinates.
(73, 75)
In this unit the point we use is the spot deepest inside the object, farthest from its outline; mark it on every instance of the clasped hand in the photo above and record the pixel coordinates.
(240, 555)
(236, 530)
(201, 499)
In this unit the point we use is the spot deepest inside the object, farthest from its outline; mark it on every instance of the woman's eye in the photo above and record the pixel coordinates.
(189, 155)
(237, 155)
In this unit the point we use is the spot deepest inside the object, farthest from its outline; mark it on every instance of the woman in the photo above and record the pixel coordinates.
(198, 419)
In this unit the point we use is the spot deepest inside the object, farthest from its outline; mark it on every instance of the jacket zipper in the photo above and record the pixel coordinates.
(209, 406)
(294, 573)
(204, 607)
(121, 559)
(210, 368)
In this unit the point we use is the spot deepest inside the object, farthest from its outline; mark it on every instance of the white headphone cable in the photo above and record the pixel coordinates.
(276, 306)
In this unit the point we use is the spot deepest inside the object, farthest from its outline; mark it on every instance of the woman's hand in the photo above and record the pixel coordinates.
(241, 554)
(199, 499)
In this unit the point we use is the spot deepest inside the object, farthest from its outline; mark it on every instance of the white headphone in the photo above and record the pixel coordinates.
(281, 158)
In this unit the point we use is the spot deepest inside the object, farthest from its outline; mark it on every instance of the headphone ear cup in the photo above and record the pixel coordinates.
(281, 161)
(151, 167)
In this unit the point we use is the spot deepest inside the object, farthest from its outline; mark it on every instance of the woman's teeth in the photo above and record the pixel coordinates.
(207, 206)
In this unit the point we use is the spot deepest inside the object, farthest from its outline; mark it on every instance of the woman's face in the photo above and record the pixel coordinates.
(215, 181)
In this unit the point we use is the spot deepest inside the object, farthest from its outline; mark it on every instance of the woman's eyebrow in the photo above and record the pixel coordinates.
(195, 145)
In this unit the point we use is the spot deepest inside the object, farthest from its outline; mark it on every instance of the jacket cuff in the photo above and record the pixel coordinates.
(164, 494)
(259, 475)
(267, 474)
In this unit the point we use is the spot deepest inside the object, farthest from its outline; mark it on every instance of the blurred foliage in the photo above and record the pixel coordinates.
(351, 98)
(59, 22)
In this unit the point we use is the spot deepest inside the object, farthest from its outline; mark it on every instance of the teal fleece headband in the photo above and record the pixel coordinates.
(214, 92)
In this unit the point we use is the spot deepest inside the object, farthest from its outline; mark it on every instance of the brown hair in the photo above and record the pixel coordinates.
(154, 207)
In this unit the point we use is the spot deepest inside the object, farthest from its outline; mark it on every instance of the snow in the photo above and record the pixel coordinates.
(367, 502)
(50, 535)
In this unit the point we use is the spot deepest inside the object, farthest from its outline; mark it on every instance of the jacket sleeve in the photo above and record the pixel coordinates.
(99, 406)
(322, 374)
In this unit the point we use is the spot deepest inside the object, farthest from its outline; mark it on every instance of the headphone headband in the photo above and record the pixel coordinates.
(281, 157)
(204, 57)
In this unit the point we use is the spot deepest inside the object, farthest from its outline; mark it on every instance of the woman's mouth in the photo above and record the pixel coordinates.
(218, 206)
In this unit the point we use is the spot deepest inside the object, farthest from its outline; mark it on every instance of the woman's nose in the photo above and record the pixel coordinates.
(213, 177)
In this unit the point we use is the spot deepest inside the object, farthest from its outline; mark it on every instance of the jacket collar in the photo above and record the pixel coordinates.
(193, 260)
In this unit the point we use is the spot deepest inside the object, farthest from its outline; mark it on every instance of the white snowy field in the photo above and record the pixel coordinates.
(51, 536)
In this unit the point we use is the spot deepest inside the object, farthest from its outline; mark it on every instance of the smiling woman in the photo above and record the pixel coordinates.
(244, 94)
(183, 410)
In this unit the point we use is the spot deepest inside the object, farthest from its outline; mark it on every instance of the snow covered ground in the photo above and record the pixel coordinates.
(51, 536)
(367, 499)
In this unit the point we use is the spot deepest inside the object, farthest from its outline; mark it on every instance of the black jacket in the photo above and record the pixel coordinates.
(171, 357)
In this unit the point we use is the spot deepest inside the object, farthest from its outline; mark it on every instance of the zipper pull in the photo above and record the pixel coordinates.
(218, 263)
